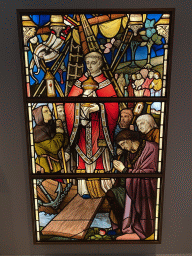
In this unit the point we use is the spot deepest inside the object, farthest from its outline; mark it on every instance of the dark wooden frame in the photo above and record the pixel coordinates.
(27, 100)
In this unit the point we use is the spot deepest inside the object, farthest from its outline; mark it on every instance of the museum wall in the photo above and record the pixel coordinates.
(15, 213)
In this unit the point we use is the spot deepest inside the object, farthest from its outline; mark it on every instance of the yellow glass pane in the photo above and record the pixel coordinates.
(150, 237)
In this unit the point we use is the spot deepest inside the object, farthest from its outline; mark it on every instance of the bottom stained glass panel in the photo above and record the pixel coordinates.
(119, 209)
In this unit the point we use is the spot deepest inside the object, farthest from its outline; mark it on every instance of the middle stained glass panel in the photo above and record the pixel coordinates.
(85, 138)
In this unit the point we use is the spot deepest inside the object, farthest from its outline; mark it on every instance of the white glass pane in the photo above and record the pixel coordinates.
(162, 118)
(160, 143)
(166, 54)
(158, 196)
(162, 107)
(161, 131)
(26, 59)
(37, 226)
(159, 167)
(30, 113)
(35, 191)
(32, 151)
(165, 67)
(158, 183)
(31, 139)
(31, 127)
(160, 155)
(163, 93)
(36, 204)
(38, 236)
(156, 235)
(156, 223)
(157, 211)
(27, 79)
(37, 215)
(33, 165)
(27, 71)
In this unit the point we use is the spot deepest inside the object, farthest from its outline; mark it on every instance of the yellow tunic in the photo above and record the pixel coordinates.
(156, 85)
(47, 151)
(153, 135)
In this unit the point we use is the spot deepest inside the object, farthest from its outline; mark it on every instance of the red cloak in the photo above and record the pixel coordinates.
(102, 122)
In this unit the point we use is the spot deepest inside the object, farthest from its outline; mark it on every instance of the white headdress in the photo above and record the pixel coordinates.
(148, 118)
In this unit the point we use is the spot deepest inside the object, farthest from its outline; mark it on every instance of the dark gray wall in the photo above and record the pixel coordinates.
(16, 224)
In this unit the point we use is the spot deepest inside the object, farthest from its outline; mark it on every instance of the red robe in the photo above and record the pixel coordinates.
(130, 93)
(103, 122)
(145, 86)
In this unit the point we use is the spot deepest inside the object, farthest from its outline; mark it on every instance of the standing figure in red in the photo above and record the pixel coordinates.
(91, 126)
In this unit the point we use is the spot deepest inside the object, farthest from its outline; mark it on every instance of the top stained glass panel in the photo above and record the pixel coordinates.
(96, 55)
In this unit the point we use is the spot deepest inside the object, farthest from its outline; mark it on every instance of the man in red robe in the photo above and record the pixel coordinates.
(91, 126)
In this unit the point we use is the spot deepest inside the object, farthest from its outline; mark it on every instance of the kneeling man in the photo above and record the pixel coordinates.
(133, 199)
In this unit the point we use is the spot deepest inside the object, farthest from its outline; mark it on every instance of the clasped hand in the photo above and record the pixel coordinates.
(118, 165)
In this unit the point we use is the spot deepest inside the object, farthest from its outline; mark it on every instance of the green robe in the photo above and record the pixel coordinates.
(120, 192)
(48, 150)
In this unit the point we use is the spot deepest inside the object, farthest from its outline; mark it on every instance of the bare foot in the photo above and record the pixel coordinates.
(133, 236)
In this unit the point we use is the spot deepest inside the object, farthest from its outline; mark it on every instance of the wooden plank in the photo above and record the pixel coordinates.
(75, 219)
(79, 209)
(72, 229)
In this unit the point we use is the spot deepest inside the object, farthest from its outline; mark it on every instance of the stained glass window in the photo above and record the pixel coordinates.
(96, 90)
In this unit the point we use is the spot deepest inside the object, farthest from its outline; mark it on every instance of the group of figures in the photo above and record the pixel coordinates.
(103, 138)
(144, 83)
(102, 81)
